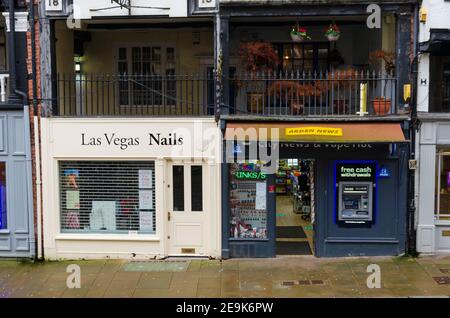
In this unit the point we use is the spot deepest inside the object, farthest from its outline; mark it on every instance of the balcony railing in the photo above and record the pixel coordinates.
(141, 95)
(345, 92)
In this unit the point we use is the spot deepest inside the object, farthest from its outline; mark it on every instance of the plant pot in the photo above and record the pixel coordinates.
(340, 106)
(333, 38)
(296, 38)
(381, 106)
(296, 106)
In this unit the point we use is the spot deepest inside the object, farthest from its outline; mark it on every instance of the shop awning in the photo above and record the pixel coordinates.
(439, 42)
(314, 132)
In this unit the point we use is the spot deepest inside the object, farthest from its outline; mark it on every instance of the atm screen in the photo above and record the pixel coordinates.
(351, 203)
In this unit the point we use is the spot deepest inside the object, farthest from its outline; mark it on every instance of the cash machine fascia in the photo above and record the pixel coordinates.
(355, 193)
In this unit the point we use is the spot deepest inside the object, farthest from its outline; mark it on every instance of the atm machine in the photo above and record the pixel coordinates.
(355, 202)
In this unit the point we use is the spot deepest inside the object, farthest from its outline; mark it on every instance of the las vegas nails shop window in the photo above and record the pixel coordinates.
(248, 195)
(107, 197)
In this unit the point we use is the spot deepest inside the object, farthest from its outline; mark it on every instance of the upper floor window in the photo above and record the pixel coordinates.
(307, 57)
(147, 75)
(439, 87)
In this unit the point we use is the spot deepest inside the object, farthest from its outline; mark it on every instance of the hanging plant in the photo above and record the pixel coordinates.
(333, 32)
(299, 34)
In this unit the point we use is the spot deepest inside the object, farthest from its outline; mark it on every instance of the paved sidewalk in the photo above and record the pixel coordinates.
(281, 277)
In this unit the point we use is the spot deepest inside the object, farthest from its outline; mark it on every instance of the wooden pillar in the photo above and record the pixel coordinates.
(47, 62)
(403, 54)
(223, 64)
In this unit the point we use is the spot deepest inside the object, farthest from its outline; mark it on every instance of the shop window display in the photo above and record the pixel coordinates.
(107, 196)
(443, 185)
(248, 200)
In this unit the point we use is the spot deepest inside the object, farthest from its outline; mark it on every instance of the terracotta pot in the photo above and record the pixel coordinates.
(296, 106)
(333, 38)
(381, 106)
(340, 106)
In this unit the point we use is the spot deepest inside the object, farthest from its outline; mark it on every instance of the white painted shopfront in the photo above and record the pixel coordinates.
(125, 188)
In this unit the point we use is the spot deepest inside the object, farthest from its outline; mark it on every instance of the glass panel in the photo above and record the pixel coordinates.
(196, 188)
(170, 55)
(443, 186)
(156, 54)
(308, 51)
(178, 188)
(308, 65)
(322, 53)
(107, 196)
(122, 53)
(298, 51)
(298, 65)
(136, 60)
(3, 207)
(287, 52)
(248, 197)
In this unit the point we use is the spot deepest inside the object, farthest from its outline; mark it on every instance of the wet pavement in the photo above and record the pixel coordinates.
(281, 277)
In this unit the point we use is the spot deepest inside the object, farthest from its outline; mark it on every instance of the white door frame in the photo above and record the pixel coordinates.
(189, 218)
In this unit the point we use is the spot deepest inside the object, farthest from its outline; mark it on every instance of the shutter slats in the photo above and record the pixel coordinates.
(104, 197)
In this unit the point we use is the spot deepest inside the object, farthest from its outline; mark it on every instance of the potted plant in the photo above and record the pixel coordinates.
(333, 32)
(299, 34)
(258, 57)
(382, 105)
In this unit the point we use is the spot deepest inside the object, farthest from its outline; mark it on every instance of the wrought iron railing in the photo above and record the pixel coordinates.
(344, 92)
(146, 95)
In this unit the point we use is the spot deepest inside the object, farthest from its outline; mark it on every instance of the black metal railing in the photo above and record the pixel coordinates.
(152, 95)
(343, 92)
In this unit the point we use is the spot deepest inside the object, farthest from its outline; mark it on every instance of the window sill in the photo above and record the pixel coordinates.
(442, 222)
(107, 237)
(5, 231)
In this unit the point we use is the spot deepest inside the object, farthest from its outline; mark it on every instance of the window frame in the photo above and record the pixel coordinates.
(164, 68)
(123, 234)
(440, 154)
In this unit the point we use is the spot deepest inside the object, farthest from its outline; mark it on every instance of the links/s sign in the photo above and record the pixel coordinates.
(206, 4)
(53, 5)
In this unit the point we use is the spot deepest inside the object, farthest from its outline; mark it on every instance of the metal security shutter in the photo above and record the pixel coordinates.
(107, 196)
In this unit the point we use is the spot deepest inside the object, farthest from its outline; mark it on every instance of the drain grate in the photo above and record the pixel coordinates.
(156, 266)
(442, 280)
(317, 282)
(303, 282)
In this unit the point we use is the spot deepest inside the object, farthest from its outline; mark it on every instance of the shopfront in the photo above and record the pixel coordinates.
(336, 189)
(130, 188)
(433, 226)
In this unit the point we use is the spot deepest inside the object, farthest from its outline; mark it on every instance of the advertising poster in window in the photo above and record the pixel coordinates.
(146, 221)
(145, 179)
(73, 200)
(145, 199)
(103, 215)
(260, 202)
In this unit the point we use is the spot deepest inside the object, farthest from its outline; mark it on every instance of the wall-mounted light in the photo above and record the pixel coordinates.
(77, 67)
(423, 13)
